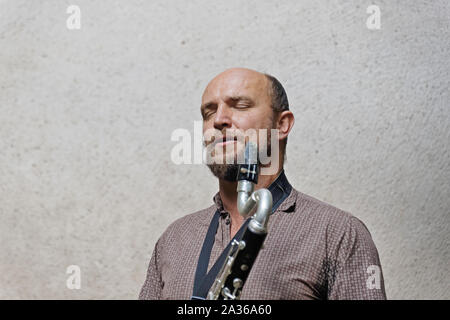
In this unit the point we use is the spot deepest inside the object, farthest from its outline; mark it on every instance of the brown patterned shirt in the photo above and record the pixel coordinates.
(312, 251)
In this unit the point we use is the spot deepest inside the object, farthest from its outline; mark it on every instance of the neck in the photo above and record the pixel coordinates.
(228, 195)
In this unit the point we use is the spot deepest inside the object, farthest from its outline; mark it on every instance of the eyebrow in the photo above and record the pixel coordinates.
(240, 98)
(233, 98)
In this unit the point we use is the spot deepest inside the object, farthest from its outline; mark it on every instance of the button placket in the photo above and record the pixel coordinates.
(226, 227)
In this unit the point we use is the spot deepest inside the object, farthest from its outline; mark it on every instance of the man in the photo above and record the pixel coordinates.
(312, 251)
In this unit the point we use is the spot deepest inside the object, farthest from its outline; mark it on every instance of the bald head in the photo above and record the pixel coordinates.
(236, 82)
(239, 72)
(266, 85)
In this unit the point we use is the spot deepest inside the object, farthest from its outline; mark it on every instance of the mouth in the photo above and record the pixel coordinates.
(224, 141)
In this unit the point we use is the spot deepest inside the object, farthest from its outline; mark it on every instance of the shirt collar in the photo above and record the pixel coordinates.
(278, 188)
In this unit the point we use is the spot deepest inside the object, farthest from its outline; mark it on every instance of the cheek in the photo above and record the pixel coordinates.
(207, 124)
(254, 121)
(249, 120)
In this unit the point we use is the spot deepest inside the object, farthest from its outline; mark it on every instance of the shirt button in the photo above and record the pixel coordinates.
(227, 218)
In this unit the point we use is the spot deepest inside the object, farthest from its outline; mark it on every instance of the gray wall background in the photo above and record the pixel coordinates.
(86, 118)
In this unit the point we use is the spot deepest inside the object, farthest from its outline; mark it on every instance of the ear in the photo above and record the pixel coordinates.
(285, 123)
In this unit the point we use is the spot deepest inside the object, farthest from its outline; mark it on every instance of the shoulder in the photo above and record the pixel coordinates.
(318, 209)
(339, 229)
(332, 219)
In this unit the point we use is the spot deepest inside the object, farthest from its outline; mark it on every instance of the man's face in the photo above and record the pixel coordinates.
(237, 99)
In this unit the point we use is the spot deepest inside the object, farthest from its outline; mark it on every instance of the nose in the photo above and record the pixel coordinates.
(223, 118)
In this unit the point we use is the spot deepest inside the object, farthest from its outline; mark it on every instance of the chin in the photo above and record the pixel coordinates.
(226, 172)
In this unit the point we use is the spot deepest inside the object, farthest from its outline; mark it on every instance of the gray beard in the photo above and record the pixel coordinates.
(226, 172)
(229, 172)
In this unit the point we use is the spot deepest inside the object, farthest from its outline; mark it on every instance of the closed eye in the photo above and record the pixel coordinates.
(242, 105)
(241, 102)
(208, 109)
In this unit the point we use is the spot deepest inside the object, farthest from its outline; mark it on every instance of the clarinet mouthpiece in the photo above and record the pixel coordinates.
(249, 169)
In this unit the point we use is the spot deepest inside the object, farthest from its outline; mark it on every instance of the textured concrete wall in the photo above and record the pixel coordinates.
(86, 117)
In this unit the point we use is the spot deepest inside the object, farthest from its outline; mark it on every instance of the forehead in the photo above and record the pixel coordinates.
(237, 82)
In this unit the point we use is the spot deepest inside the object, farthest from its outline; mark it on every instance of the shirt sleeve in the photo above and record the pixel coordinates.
(153, 285)
(356, 274)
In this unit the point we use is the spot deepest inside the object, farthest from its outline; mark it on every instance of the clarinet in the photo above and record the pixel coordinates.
(231, 279)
